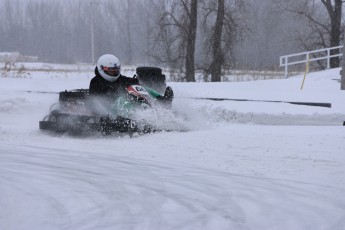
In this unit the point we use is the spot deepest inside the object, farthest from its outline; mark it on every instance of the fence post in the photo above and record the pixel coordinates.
(328, 58)
(286, 66)
(306, 70)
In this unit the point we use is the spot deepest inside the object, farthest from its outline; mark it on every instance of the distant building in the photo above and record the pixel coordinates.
(16, 57)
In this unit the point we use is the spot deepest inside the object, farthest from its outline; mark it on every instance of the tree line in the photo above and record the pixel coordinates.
(186, 35)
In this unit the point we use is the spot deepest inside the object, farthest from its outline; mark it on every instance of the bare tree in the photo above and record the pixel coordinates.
(177, 35)
(324, 18)
(168, 45)
(191, 37)
(12, 21)
(223, 25)
(218, 58)
(334, 12)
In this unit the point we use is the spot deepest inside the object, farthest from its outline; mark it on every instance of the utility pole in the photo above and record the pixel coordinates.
(342, 72)
(92, 37)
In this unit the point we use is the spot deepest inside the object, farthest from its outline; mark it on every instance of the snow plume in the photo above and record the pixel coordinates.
(164, 119)
(98, 105)
(220, 116)
(11, 105)
(182, 116)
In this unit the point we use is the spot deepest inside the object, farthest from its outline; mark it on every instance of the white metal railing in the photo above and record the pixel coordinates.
(325, 54)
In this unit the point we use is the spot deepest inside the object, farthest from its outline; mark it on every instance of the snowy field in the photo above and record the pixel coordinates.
(241, 165)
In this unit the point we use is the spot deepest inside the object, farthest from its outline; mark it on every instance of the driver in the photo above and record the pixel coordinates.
(108, 80)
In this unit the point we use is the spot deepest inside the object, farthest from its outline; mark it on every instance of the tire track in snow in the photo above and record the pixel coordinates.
(87, 190)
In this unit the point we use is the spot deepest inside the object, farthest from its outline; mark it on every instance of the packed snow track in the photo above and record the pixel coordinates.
(240, 165)
(56, 188)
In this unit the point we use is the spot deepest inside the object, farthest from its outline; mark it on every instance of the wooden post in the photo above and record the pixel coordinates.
(306, 70)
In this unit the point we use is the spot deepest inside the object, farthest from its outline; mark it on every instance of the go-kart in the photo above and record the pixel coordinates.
(77, 113)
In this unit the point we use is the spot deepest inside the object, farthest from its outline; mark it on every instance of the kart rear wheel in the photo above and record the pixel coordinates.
(150, 71)
(45, 125)
(152, 78)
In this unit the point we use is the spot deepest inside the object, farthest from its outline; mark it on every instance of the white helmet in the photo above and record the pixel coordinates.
(109, 67)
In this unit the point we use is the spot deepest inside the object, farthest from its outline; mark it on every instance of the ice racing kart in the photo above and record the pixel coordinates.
(74, 113)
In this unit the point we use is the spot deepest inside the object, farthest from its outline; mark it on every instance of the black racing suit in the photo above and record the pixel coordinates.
(104, 93)
(101, 87)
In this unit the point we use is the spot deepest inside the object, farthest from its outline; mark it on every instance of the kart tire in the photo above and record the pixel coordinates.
(74, 95)
(45, 125)
(148, 74)
(150, 71)
(152, 77)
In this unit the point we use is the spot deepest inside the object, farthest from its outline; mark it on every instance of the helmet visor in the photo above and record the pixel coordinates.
(111, 71)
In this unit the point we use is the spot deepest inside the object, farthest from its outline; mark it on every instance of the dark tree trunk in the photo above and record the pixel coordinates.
(191, 37)
(218, 57)
(335, 16)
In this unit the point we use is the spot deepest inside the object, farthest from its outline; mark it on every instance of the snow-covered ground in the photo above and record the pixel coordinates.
(242, 165)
